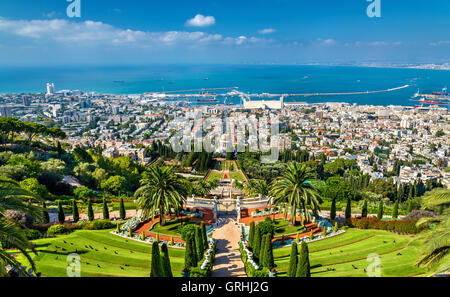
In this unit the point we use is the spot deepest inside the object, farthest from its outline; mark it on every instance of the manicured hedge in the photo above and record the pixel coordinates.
(403, 227)
(58, 229)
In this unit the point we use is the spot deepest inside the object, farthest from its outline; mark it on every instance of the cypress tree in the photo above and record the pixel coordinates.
(411, 192)
(122, 212)
(380, 210)
(251, 234)
(333, 210)
(61, 216)
(303, 266)
(262, 251)
(156, 269)
(90, 210)
(336, 227)
(292, 271)
(410, 206)
(75, 214)
(395, 210)
(256, 242)
(324, 231)
(204, 236)
(105, 210)
(46, 215)
(364, 209)
(167, 269)
(190, 255)
(199, 243)
(268, 254)
(348, 209)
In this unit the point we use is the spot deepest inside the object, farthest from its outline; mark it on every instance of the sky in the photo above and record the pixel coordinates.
(223, 32)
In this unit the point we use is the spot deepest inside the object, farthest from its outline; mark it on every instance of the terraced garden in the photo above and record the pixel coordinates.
(102, 255)
(346, 255)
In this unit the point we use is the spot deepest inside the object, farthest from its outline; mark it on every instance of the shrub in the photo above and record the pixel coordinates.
(348, 209)
(311, 235)
(187, 230)
(268, 253)
(97, 225)
(251, 234)
(156, 266)
(90, 211)
(257, 242)
(105, 210)
(262, 251)
(75, 214)
(364, 209)
(266, 227)
(415, 215)
(403, 226)
(395, 210)
(122, 212)
(190, 256)
(410, 206)
(324, 231)
(199, 243)
(292, 270)
(167, 269)
(380, 210)
(58, 229)
(61, 216)
(32, 234)
(46, 215)
(303, 266)
(336, 227)
(333, 210)
(204, 236)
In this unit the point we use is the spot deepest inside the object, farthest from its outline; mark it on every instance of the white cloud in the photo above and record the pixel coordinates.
(267, 31)
(442, 42)
(201, 21)
(88, 33)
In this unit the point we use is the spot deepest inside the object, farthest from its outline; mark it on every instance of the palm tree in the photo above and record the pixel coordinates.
(293, 189)
(161, 190)
(437, 240)
(12, 197)
(257, 187)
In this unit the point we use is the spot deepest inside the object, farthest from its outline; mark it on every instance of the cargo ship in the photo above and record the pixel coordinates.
(435, 98)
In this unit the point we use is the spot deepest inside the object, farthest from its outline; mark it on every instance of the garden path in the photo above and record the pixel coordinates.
(228, 261)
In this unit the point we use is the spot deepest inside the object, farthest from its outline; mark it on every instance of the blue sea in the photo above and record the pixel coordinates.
(249, 78)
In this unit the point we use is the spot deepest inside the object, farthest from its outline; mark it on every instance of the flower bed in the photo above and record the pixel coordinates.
(147, 240)
(402, 227)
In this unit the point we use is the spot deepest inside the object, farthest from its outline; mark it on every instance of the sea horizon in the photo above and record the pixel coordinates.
(249, 78)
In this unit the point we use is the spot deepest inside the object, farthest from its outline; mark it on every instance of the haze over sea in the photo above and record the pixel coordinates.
(249, 78)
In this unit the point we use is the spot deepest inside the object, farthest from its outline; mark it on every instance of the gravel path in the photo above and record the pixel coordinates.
(228, 261)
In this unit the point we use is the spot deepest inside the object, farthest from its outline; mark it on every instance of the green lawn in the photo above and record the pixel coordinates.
(237, 176)
(171, 228)
(115, 255)
(214, 176)
(347, 254)
(283, 227)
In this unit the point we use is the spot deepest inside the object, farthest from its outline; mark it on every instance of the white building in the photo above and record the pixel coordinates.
(50, 88)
